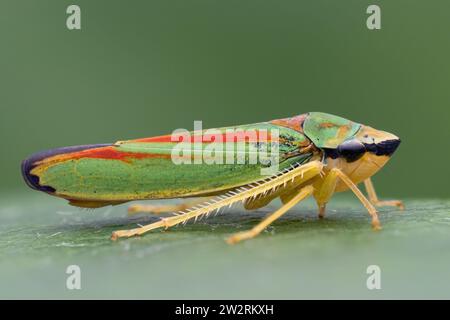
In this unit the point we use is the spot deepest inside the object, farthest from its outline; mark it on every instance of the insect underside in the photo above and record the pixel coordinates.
(288, 179)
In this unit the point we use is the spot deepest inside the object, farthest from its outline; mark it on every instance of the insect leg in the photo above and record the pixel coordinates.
(374, 198)
(304, 192)
(328, 186)
(260, 201)
(324, 190)
(285, 197)
(161, 208)
(322, 211)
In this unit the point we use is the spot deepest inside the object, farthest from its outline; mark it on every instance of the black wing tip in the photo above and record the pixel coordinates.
(28, 164)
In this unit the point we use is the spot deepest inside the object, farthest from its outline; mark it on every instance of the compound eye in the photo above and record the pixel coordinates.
(351, 150)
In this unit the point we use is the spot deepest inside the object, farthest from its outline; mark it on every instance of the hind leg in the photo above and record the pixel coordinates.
(237, 237)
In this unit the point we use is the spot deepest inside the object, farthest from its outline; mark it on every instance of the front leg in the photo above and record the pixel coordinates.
(325, 189)
(374, 198)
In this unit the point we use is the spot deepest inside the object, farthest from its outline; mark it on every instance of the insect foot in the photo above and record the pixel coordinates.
(121, 234)
(238, 237)
(376, 226)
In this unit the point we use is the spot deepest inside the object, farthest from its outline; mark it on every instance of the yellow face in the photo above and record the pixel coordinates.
(363, 155)
(358, 170)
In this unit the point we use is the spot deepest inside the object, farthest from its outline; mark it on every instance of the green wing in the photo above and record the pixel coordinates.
(144, 169)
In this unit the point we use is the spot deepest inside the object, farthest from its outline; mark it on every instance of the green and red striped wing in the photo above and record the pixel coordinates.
(144, 168)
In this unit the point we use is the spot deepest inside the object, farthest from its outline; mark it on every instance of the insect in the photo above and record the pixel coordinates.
(319, 154)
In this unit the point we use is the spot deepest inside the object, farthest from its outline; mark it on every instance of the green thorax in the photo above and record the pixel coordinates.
(328, 131)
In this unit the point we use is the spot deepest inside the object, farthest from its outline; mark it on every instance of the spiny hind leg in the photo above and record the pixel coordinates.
(163, 223)
(163, 208)
(291, 178)
(328, 186)
(374, 198)
(167, 222)
(237, 237)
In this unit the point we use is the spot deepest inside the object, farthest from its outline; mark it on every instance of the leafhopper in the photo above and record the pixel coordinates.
(317, 154)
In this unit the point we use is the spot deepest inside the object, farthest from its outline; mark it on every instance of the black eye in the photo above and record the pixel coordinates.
(351, 150)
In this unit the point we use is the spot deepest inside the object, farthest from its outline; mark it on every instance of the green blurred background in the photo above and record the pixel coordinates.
(143, 68)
